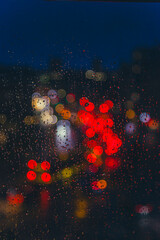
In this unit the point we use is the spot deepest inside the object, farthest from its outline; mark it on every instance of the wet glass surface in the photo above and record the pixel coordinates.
(79, 120)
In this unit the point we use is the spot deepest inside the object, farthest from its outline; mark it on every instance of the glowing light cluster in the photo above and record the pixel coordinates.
(143, 209)
(15, 199)
(99, 185)
(38, 168)
(96, 76)
(144, 117)
(81, 208)
(98, 126)
(45, 106)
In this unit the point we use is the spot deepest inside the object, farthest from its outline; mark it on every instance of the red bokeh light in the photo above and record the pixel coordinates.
(100, 128)
(85, 142)
(89, 106)
(46, 177)
(107, 134)
(98, 150)
(86, 118)
(109, 103)
(31, 175)
(109, 122)
(112, 163)
(15, 199)
(98, 162)
(91, 143)
(45, 165)
(104, 108)
(32, 164)
(83, 101)
(93, 168)
(80, 112)
(143, 208)
(91, 158)
(45, 198)
(113, 141)
(94, 185)
(110, 151)
(99, 124)
(90, 132)
(137, 208)
(70, 97)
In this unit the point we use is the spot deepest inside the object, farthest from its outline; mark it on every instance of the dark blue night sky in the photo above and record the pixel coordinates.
(31, 32)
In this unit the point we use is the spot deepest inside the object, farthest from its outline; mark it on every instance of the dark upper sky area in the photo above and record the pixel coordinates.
(31, 32)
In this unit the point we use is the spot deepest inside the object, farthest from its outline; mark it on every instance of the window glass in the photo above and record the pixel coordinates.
(79, 120)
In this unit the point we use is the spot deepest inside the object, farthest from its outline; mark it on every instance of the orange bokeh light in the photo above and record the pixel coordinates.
(98, 150)
(101, 184)
(98, 162)
(153, 124)
(15, 199)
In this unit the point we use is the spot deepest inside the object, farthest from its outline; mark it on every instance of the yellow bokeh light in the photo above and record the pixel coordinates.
(39, 179)
(66, 172)
(81, 204)
(81, 213)
(9, 209)
(3, 138)
(59, 108)
(39, 103)
(63, 156)
(38, 168)
(35, 120)
(130, 114)
(100, 76)
(28, 120)
(61, 93)
(129, 104)
(90, 74)
(3, 118)
(46, 119)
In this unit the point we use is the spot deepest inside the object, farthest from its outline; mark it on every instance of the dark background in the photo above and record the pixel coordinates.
(40, 37)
